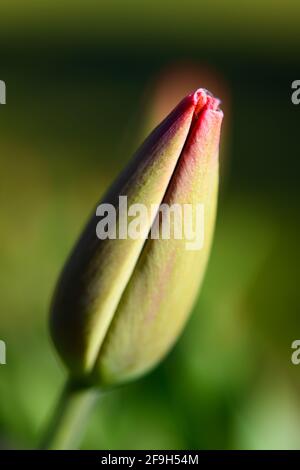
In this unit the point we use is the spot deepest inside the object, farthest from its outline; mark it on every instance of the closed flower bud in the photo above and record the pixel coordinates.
(122, 301)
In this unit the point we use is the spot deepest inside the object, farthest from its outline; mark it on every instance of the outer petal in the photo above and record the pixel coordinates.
(97, 272)
(165, 282)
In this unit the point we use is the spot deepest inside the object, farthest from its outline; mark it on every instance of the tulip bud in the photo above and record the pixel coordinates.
(121, 303)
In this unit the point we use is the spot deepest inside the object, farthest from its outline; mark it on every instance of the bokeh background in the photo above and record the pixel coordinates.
(86, 80)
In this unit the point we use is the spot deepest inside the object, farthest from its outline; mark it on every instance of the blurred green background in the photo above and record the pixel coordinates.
(85, 81)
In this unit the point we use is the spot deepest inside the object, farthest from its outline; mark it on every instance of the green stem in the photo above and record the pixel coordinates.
(70, 417)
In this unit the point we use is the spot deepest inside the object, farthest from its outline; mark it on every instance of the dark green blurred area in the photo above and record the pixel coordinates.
(77, 74)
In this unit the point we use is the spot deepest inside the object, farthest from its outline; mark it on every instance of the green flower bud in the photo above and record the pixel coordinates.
(121, 302)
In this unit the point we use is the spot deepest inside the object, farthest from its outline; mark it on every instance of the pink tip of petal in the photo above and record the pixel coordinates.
(213, 103)
(201, 97)
(204, 99)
